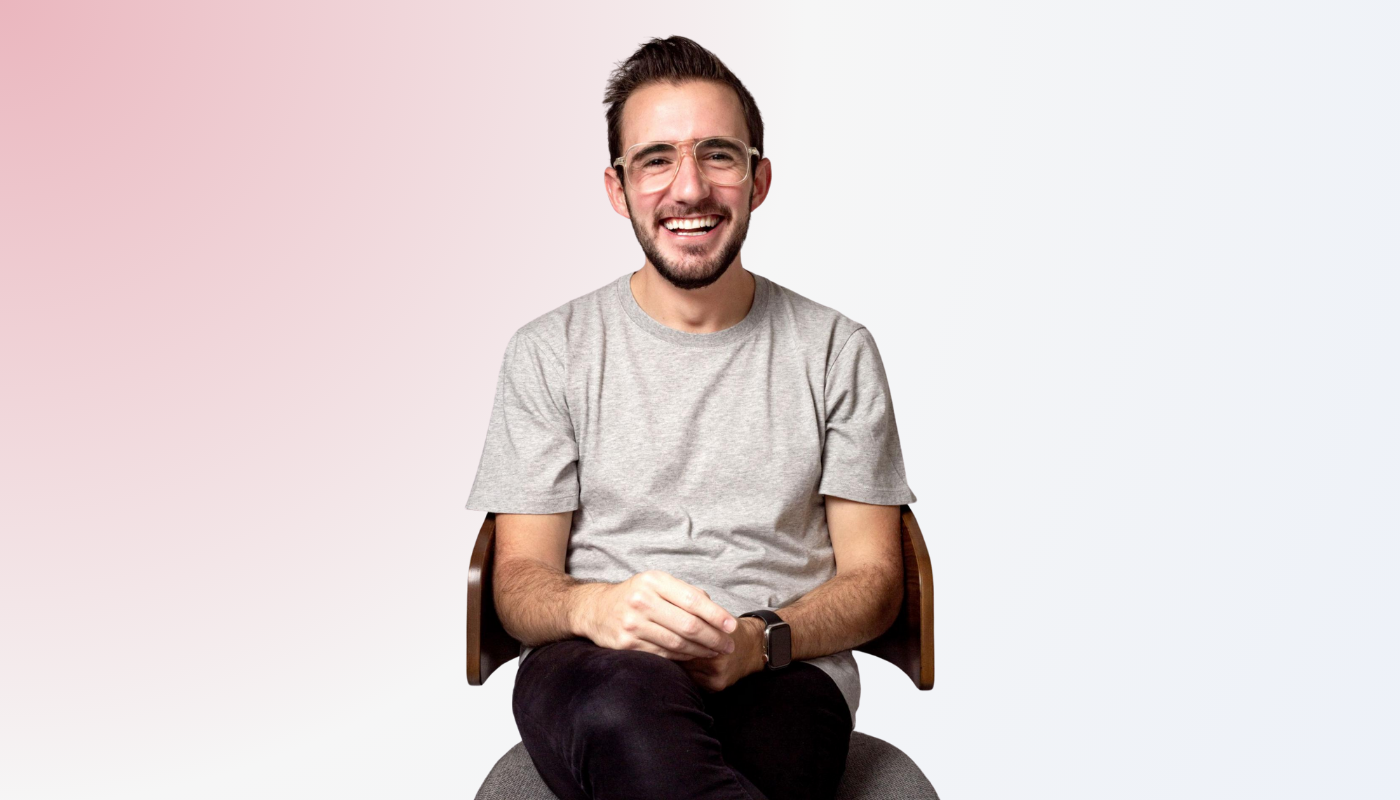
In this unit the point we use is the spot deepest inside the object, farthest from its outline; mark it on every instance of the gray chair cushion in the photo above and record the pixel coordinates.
(875, 770)
(514, 778)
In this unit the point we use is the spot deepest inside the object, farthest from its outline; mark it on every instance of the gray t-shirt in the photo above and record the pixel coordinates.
(704, 455)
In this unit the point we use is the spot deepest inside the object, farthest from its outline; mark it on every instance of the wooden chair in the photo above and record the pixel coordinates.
(875, 769)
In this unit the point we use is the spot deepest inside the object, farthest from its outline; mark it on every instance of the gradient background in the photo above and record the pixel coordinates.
(1132, 268)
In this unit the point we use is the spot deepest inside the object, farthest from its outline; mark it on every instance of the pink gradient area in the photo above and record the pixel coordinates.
(211, 343)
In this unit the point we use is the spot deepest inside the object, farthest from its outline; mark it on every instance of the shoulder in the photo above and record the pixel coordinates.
(818, 326)
(567, 326)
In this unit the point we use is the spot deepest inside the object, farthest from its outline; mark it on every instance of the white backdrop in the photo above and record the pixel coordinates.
(1132, 268)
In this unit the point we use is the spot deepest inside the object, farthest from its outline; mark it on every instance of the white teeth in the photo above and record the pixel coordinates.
(689, 224)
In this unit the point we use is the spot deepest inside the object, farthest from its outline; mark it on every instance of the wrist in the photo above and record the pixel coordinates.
(580, 608)
(755, 628)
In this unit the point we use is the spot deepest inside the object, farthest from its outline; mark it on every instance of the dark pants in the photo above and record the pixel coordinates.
(602, 724)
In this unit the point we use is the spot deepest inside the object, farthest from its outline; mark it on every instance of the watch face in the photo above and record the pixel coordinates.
(779, 646)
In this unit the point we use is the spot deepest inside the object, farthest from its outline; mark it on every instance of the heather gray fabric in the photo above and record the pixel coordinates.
(875, 770)
(704, 455)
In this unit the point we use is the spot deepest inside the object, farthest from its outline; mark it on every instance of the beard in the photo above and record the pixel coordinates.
(698, 270)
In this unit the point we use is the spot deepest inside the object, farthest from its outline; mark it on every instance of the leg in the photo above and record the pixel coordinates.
(603, 724)
(787, 730)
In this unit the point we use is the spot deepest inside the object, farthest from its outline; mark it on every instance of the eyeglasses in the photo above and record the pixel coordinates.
(651, 166)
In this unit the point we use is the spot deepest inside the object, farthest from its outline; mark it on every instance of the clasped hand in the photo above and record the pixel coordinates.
(658, 613)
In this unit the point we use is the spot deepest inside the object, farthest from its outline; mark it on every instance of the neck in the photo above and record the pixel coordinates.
(709, 309)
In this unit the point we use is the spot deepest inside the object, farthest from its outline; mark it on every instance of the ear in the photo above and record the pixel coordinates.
(616, 192)
(762, 181)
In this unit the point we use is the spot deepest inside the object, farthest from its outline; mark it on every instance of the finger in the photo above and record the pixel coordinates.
(694, 600)
(671, 644)
(632, 641)
(687, 625)
(644, 605)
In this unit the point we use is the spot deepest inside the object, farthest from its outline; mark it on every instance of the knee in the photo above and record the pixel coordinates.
(632, 694)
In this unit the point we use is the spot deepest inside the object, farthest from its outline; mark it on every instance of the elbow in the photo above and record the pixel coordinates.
(892, 595)
(504, 596)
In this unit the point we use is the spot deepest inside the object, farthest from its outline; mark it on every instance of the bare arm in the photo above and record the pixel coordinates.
(652, 611)
(862, 600)
(535, 599)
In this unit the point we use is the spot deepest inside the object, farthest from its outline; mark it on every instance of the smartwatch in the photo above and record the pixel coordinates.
(777, 639)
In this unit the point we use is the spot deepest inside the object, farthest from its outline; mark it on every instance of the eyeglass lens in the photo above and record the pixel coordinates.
(723, 161)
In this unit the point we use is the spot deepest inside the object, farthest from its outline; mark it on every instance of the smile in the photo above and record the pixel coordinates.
(692, 227)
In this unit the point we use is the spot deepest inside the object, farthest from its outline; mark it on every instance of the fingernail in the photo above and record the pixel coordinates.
(730, 625)
(729, 647)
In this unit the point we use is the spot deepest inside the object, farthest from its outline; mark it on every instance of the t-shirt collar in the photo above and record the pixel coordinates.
(734, 333)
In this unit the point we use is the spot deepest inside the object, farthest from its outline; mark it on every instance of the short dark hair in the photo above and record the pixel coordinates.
(672, 60)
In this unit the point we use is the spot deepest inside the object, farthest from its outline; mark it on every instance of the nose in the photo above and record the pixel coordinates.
(689, 185)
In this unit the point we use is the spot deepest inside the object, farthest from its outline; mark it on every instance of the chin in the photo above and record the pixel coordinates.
(689, 278)
(684, 268)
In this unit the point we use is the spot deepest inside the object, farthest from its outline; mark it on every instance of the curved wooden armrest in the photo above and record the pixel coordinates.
(488, 644)
(908, 644)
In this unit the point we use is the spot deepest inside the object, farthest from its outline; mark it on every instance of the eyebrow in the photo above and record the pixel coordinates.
(654, 147)
(725, 143)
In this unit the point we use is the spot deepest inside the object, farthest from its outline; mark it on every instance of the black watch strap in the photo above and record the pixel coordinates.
(777, 638)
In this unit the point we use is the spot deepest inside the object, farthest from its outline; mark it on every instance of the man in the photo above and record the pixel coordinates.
(689, 443)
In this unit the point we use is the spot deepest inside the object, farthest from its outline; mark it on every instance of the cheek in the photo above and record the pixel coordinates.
(643, 211)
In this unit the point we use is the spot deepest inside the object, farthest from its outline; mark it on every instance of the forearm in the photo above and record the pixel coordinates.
(848, 610)
(537, 603)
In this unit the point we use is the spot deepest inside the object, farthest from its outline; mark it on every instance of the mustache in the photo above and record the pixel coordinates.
(695, 211)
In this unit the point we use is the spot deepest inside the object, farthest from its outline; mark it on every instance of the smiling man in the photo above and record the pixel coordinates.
(697, 476)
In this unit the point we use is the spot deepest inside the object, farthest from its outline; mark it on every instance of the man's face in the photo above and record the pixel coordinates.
(669, 113)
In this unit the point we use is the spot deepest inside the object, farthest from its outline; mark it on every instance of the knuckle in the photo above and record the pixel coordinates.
(637, 599)
(630, 622)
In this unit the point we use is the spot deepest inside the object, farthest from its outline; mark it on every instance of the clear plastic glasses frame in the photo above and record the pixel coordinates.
(632, 178)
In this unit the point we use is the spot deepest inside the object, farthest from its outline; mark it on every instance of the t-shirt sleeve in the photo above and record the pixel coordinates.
(529, 462)
(862, 459)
